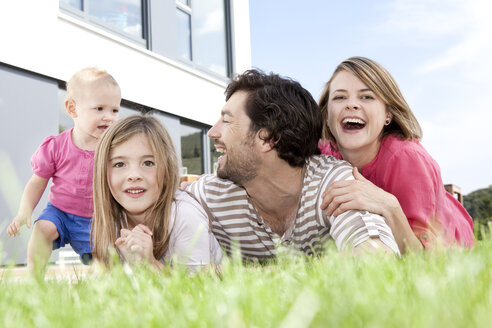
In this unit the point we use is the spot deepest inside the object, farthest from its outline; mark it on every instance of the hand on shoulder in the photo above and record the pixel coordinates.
(358, 194)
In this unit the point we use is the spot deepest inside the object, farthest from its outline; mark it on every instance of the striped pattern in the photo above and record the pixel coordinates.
(238, 226)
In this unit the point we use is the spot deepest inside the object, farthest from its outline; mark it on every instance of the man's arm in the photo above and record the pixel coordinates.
(361, 231)
(361, 194)
(371, 246)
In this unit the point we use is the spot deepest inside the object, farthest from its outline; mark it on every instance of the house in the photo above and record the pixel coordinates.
(173, 57)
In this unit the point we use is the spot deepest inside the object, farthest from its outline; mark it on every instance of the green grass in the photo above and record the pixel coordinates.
(451, 288)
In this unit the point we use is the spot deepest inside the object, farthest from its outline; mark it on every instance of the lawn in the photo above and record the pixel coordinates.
(448, 288)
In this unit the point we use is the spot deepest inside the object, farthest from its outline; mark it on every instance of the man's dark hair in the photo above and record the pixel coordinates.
(285, 110)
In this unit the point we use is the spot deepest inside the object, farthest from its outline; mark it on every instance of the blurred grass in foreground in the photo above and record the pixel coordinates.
(451, 288)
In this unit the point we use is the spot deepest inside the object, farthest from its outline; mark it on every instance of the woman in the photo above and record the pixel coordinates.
(370, 125)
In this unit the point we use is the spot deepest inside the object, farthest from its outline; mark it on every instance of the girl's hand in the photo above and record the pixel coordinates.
(121, 245)
(136, 245)
(359, 194)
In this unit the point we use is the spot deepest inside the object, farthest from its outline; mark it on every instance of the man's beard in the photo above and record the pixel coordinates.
(241, 165)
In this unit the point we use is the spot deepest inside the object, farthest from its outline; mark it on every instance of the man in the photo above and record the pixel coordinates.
(270, 178)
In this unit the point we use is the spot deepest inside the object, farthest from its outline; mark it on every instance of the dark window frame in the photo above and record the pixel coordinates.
(84, 16)
(147, 35)
(206, 143)
(188, 9)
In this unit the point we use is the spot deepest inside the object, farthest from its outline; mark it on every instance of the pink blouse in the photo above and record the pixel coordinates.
(406, 170)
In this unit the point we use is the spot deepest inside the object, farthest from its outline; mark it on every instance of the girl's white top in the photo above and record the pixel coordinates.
(191, 242)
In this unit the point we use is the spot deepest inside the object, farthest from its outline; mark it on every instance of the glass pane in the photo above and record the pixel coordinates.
(184, 35)
(65, 122)
(214, 155)
(185, 2)
(209, 35)
(191, 149)
(125, 15)
(77, 4)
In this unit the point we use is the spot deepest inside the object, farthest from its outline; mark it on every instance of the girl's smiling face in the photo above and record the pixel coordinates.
(356, 116)
(132, 177)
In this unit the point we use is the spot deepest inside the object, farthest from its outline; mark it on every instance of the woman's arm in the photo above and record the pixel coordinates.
(361, 194)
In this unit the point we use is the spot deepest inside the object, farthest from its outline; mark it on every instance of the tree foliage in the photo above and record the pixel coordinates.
(479, 204)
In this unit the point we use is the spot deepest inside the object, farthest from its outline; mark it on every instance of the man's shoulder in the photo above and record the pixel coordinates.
(326, 165)
(211, 186)
(212, 182)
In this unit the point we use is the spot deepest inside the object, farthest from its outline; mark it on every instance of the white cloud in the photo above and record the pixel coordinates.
(424, 19)
(453, 41)
(461, 146)
(211, 22)
(476, 44)
(464, 23)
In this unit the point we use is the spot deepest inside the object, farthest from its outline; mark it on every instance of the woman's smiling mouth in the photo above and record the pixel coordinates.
(352, 123)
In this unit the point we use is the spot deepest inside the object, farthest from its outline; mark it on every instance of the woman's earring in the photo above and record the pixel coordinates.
(387, 121)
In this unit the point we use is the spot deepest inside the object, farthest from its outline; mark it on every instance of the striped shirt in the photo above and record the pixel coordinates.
(237, 225)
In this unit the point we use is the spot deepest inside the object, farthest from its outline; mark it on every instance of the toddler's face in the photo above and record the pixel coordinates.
(132, 177)
(97, 108)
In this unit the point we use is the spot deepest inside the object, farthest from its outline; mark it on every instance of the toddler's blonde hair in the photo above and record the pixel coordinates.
(86, 76)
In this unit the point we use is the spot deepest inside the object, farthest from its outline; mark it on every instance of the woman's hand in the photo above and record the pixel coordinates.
(361, 194)
(136, 245)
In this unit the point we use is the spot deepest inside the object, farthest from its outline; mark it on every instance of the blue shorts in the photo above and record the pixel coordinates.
(74, 230)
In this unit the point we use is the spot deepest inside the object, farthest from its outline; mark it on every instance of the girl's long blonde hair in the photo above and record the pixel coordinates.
(380, 81)
(108, 213)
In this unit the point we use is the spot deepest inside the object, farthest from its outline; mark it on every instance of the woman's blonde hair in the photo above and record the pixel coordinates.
(380, 81)
(108, 213)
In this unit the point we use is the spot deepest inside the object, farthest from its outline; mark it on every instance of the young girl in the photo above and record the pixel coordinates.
(93, 101)
(370, 125)
(137, 207)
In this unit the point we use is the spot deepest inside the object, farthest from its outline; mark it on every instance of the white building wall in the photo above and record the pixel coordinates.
(241, 35)
(36, 36)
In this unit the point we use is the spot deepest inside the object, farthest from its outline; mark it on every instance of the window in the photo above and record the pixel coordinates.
(77, 4)
(200, 37)
(214, 156)
(191, 149)
(184, 2)
(184, 34)
(193, 141)
(202, 34)
(124, 17)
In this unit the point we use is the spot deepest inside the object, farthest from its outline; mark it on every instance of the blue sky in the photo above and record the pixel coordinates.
(439, 52)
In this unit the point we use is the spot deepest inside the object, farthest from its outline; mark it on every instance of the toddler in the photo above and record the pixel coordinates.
(93, 102)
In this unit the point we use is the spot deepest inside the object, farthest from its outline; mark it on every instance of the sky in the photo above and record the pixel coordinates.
(439, 52)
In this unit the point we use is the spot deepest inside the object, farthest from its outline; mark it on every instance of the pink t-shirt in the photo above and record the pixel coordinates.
(71, 170)
(406, 170)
